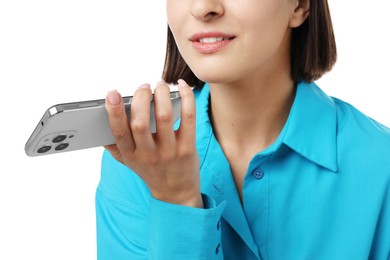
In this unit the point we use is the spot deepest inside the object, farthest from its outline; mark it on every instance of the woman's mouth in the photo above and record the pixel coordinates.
(211, 42)
(213, 39)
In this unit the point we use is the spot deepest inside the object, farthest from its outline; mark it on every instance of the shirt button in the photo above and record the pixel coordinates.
(219, 224)
(258, 173)
(218, 248)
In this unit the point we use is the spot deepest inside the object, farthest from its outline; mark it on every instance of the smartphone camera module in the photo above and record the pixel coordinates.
(44, 149)
(55, 142)
(59, 138)
(61, 147)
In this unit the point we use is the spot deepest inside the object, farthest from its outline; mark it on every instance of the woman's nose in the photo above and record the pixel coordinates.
(207, 10)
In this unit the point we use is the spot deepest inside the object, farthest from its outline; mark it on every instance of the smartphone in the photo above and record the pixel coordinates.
(80, 125)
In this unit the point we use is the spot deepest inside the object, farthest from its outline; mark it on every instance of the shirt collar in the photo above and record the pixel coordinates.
(312, 126)
(310, 130)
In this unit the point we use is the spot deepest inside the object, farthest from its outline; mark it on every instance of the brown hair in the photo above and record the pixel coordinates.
(313, 50)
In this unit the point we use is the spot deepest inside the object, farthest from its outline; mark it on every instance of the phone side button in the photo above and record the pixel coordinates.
(88, 104)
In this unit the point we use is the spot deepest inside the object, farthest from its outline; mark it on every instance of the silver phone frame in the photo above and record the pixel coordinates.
(36, 138)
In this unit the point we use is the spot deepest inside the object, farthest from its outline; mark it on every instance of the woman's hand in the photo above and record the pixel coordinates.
(167, 161)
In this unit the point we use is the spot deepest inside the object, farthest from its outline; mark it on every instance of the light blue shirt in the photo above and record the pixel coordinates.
(321, 191)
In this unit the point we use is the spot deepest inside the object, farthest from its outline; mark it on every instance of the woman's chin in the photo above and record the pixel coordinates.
(214, 78)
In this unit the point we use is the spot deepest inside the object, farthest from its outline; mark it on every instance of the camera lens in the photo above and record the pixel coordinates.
(61, 146)
(44, 149)
(59, 138)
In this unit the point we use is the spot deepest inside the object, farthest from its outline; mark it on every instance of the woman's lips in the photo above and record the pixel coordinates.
(211, 42)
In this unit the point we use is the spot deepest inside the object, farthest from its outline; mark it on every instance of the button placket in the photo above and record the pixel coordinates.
(256, 193)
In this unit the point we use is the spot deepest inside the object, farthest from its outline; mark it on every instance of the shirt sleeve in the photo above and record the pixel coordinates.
(131, 224)
(180, 232)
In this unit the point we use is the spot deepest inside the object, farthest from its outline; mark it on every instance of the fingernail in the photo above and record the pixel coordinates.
(182, 83)
(161, 83)
(113, 97)
(146, 85)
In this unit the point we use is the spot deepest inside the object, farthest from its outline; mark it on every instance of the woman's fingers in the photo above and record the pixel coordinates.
(140, 119)
(166, 161)
(186, 133)
(118, 122)
(165, 136)
(134, 141)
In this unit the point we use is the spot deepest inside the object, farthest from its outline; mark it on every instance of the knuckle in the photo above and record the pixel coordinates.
(189, 115)
(120, 134)
(163, 116)
(139, 126)
(186, 151)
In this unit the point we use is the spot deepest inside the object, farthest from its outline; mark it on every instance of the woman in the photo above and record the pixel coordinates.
(264, 166)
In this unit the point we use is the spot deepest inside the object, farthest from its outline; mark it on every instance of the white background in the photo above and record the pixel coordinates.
(61, 51)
